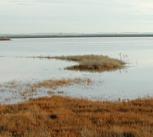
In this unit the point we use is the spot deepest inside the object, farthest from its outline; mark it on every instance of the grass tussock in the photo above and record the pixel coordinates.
(93, 63)
(54, 84)
(67, 117)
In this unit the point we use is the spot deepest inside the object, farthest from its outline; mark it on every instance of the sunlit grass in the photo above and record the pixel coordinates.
(67, 117)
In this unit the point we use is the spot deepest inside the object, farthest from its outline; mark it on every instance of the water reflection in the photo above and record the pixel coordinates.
(130, 83)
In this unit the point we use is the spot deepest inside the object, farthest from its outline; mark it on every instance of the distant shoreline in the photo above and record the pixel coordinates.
(18, 36)
(4, 39)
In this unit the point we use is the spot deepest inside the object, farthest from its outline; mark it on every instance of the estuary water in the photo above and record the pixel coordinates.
(134, 81)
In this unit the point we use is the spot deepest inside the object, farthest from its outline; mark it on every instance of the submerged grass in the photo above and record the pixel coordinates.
(67, 117)
(54, 84)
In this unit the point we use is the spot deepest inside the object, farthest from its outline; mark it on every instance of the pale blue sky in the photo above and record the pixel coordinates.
(80, 16)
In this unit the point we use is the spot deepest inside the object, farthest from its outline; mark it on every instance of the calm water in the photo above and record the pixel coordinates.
(130, 83)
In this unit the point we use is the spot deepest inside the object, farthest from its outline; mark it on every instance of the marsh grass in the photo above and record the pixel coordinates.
(54, 84)
(69, 117)
(91, 63)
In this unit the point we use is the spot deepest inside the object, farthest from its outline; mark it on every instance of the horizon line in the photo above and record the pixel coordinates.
(69, 35)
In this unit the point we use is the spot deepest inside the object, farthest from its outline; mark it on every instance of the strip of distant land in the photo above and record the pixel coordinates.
(17, 36)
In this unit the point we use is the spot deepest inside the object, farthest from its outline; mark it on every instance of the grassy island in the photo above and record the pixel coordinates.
(91, 63)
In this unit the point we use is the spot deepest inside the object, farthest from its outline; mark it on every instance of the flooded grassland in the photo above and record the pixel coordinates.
(100, 98)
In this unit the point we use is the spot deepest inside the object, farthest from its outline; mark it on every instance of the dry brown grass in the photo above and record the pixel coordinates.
(92, 63)
(67, 117)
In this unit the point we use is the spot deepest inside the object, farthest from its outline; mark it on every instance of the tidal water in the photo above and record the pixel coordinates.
(135, 81)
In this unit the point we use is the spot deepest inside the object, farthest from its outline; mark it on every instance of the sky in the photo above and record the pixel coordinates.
(75, 16)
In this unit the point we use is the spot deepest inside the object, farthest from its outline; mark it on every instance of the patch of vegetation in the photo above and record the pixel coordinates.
(67, 117)
(54, 84)
(93, 63)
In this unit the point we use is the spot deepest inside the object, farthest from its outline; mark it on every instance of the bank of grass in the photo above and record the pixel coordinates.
(67, 117)
(92, 63)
